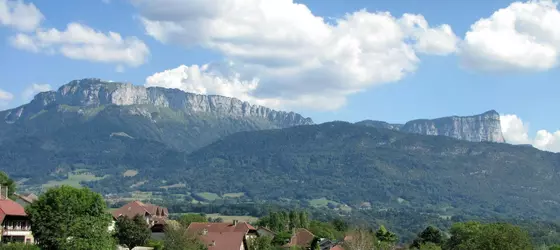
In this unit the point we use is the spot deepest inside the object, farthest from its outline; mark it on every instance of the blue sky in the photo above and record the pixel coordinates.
(330, 60)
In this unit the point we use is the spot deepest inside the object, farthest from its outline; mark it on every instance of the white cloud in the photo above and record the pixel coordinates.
(81, 42)
(20, 15)
(437, 41)
(515, 131)
(293, 57)
(34, 89)
(5, 95)
(5, 98)
(523, 36)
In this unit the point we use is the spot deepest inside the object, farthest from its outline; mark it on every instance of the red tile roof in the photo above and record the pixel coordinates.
(243, 227)
(134, 208)
(337, 247)
(9, 207)
(302, 238)
(223, 241)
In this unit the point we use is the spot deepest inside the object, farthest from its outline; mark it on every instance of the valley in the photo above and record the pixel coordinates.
(134, 143)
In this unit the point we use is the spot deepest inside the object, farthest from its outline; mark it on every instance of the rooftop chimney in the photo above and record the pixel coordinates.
(235, 222)
(213, 243)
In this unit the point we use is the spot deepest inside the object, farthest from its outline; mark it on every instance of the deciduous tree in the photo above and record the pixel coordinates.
(67, 218)
(132, 232)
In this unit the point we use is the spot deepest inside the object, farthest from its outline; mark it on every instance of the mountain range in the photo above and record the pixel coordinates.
(118, 138)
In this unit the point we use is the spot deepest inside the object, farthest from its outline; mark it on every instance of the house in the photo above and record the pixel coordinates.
(301, 238)
(154, 215)
(16, 226)
(213, 227)
(223, 240)
(263, 231)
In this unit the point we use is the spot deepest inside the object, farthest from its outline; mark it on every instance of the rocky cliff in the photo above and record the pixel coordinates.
(94, 92)
(477, 128)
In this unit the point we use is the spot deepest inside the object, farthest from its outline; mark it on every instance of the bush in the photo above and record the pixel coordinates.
(18, 246)
(156, 244)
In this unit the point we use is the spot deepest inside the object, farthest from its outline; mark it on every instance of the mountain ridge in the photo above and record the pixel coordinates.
(95, 92)
(476, 128)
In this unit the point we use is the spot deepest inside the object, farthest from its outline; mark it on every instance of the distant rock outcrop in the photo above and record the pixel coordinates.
(477, 128)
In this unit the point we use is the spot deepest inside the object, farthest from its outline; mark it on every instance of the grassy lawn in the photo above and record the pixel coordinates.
(73, 180)
(234, 195)
(178, 185)
(249, 219)
(226, 218)
(322, 202)
(209, 196)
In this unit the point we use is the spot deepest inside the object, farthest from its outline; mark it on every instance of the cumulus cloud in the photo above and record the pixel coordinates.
(19, 15)
(287, 54)
(5, 97)
(81, 42)
(515, 131)
(33, 89)
(522, 36)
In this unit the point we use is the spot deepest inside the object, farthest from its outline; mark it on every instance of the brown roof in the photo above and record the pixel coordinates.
(134, 208)
(243, 227)
(223, 240)
(302, 238)
(29, 198)
(9, 207)
(337, 247)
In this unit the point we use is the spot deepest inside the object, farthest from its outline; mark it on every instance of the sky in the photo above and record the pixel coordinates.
(390, 60)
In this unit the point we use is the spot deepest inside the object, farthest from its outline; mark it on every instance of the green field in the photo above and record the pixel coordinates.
(73, 180)
(322, 202)
(234, 195)
(249, 219)
(227, 218)
(178, 185)
(209, 196)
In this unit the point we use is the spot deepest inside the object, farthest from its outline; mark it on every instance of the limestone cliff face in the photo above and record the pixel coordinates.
(95, 92)
(477, 128)
(483, 127)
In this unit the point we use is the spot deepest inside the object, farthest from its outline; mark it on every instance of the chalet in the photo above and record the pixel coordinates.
(223, 240)
(16, 226)
(301, 238)
(239, 227)
(155, 216)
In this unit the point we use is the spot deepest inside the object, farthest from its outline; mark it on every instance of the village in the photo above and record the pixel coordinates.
(17, 227)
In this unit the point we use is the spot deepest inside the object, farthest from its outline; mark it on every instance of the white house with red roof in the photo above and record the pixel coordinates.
(16, 226)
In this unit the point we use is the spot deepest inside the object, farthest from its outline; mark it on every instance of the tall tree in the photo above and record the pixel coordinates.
(304, 219)
(430, 234)
(386, 236)
(294, 220)
(132, 232)
(359, 239)
(66, 218)
(187, 219)
(5, 181)
(178, 238)
(261, 243)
